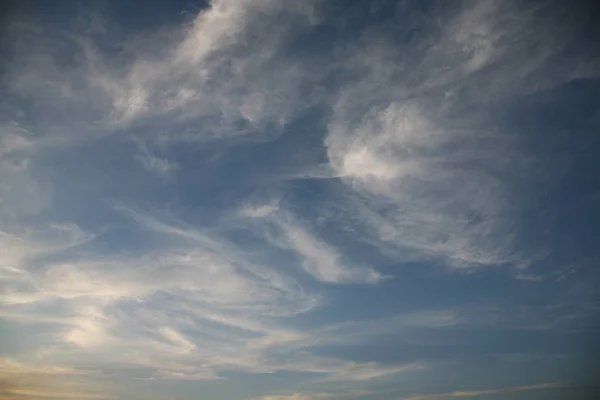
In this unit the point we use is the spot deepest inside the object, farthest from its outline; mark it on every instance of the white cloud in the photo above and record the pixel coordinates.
(14, 138)
(88, 329)
(319, 259)
(10, 366)
(491, 392)
(35, 394)
(221, 66)
(192, 304)
(37, 381)
(475, 35)
(21, 193)
(380, 148)
(259, 211)
(23, 245)
(151, 163)
(315, 256)
(419, 187)
(218, 311)
(181, 342)
(313, 396)
(299, 396)
(426, 175)
(370, 371)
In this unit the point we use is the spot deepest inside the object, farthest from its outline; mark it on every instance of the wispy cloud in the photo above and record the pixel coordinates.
(151, 163)
(213, 67)
(217, 311)
(483, 393)
(299, 396)
(398, 128)
(35, 381)
(315, 396)
(424, 177)
(316, 257)
(404, 169)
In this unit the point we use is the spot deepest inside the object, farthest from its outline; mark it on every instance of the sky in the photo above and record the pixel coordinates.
(299, 200)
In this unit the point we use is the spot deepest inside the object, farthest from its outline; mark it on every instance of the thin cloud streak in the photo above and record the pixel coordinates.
(483, 393)
(316, 257)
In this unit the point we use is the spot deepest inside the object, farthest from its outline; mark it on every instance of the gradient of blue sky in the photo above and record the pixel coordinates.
(299, 200)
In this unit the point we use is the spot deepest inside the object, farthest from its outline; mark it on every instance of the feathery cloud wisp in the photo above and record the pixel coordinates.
(482, 393)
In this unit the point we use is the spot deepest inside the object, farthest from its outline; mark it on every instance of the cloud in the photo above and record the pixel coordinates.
(313, 396)
(151, 163)
(370, 372)
(259, 211)
(474, 393)
(482, 393)
(437, 323)
(191, 309)
(316, 257)
(318, 396)
(299, 396)
(320, 260)
(405, 152)
(24, 245)
(29, 381)
(213, 67)
(177, 339)
(21, 193)
(427, 174)
(417, 181)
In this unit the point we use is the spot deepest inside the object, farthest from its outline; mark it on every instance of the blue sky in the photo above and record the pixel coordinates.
(299, 200)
